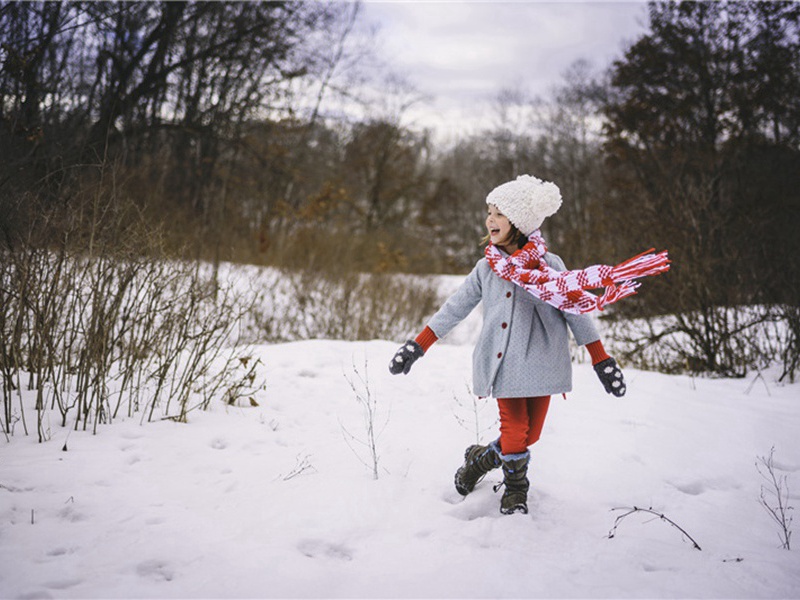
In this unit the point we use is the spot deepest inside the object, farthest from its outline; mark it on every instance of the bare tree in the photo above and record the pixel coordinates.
(701, 162)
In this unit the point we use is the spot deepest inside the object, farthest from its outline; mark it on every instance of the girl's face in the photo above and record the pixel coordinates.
(498, 226)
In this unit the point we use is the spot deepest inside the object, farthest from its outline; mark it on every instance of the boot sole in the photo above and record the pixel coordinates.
(521, 508)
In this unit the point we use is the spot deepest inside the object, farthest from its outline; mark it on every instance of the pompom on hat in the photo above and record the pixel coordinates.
(526, 201)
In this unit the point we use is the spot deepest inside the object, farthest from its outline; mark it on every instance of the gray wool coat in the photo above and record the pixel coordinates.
(523, 346)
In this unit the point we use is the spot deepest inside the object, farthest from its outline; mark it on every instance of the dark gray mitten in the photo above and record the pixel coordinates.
(405, 357)
(611, 377)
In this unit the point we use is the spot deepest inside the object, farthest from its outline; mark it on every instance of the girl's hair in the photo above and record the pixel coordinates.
(517, 237)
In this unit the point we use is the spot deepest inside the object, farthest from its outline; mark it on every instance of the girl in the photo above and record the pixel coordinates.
(522, 355)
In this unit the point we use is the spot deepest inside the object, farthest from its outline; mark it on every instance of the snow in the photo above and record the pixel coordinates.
(278, 500)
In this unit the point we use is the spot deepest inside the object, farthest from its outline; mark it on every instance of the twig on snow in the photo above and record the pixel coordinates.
(634, 509)
(302, 465)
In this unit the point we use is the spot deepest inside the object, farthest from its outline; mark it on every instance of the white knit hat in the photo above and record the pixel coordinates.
(526, 201)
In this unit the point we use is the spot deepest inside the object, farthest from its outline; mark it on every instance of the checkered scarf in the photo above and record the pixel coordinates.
(566, 289)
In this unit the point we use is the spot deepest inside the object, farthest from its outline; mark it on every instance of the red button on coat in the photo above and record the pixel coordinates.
(499, 355)
(504, 325)
(508, 294)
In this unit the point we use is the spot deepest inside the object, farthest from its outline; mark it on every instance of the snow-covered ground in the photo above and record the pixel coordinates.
(278, 500)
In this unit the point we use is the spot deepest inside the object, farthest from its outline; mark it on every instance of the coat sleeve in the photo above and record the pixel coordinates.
(459, 305)
(582, 326)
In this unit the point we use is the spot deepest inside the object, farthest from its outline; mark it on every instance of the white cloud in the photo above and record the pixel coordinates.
(463, 53)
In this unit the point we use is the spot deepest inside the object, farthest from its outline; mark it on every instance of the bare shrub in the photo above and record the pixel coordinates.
(359, 383)
(473, 408)
(726, 341)
(97, 321)
(775, 497)
(351, 306)
(94, 337)
(789, 345)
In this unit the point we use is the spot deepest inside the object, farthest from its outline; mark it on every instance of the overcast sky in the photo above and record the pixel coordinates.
(462, 53)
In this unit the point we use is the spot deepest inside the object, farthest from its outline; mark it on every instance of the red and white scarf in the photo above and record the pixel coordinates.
(566, 289)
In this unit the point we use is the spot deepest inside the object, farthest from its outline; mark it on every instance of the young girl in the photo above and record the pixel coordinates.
(522, 355)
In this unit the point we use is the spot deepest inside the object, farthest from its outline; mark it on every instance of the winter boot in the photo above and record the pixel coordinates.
(515, 479)
(478, 460)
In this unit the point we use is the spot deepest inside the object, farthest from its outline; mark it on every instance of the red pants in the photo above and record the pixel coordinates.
(521, 422)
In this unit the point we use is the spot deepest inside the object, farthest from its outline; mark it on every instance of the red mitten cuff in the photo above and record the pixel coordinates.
(597, 352)
(426, 338)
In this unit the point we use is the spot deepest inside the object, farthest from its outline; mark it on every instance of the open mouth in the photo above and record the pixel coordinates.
(494, 231)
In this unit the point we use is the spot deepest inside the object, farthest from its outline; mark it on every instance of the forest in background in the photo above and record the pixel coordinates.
(254, 133)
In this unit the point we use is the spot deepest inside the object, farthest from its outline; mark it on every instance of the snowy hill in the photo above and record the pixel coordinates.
(278, 500)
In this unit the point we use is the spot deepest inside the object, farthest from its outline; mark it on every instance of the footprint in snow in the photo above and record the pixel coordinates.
(694, 488)
(71, 515)
(320, 548)
(60, 551)
(698, 486)
(63, 584)
(789, 468)
(452, 497)
(158, 570)
(37, 595)
(476, 506)
(219, 444)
